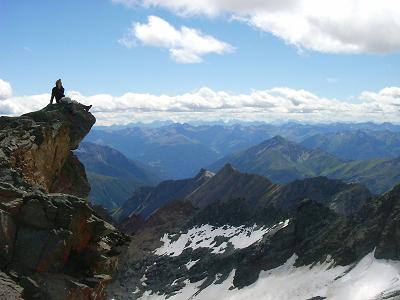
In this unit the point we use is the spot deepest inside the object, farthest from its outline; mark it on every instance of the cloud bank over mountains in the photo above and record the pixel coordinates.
(276, 104)
(339, 26)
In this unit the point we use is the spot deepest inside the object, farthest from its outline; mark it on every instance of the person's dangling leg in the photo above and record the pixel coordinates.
(70, 101)
(87, 107)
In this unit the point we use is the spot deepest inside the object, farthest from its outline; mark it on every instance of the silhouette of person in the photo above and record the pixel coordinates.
(58, 93)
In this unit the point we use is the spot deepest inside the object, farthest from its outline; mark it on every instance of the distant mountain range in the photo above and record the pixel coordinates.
(233, 122)
(112, 176)
(283, 161)
(269, 221)
(178, 151)
(207, 188)
(280, 160)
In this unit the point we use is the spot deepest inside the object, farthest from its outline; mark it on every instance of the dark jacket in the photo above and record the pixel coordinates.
(57, 93)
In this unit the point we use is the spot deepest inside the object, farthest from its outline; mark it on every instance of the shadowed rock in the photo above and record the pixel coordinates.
(45, 227)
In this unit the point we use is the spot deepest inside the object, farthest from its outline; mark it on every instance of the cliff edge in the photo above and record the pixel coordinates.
(52, 244)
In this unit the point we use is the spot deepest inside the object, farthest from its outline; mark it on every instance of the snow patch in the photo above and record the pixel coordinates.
(204, 236)
(368, 279)
(191, 263)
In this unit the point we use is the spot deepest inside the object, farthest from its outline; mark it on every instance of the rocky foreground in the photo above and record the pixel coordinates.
(52, 244)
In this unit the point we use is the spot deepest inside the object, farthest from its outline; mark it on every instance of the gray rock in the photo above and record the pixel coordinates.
(7, 237)
(9, 289)
(33, 214)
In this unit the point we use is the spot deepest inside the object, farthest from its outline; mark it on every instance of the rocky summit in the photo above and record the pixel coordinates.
(52, 244)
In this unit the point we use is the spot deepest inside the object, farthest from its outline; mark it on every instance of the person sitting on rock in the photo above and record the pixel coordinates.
(58, 93)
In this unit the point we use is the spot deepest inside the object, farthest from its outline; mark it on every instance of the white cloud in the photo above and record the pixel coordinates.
(185, 45)
(5, 89)
(211, 7)
(277, 104)
(332, 26)
(387, 96)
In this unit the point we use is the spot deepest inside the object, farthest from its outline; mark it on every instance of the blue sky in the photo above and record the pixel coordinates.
(78, 41)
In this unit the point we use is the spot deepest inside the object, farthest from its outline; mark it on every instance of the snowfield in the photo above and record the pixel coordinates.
(369, 279)
(204, 237)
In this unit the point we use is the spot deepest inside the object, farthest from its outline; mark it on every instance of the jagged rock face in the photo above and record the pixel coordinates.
(341, 197)
(229, 183)
(224, 251)
(201, 190)
(38, 147)
(146, 200)
(44, 227)
(380, 221)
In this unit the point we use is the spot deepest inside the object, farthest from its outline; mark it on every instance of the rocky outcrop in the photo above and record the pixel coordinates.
(52, 244)
(36, 147)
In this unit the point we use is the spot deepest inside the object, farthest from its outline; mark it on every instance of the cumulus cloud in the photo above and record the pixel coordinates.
(388, 96)
(5, 90)
(332, 26)
(276, 104)
(185, 45)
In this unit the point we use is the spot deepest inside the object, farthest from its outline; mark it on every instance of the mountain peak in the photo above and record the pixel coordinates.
(278, 139)
(227, 170)
(275, 141)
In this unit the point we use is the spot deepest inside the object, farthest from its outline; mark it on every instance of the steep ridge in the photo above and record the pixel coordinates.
(52, 245)
(379, 175)
(113, 177)
(258, 193)
(146, 200)
(283, 161)
(310, 253)
(343, 198)
(280, 160)
(201, 190)
(229, 183)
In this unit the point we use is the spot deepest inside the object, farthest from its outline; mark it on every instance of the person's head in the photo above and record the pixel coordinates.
(59, 83)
